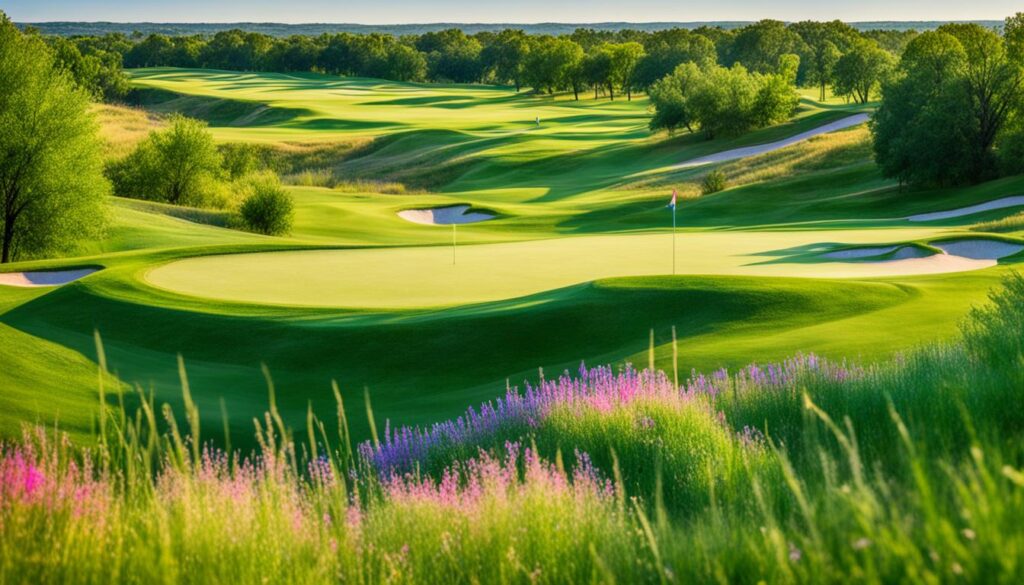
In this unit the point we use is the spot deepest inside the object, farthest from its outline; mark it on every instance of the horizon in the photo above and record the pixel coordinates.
(467, 12)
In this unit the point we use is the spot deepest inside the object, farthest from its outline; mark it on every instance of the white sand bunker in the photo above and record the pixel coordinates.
(1003, 203)
(44, 277)
(453, 214)
(897, 253)
(979, 248)
(744, 152)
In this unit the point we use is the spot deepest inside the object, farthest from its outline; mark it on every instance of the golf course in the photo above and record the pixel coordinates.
(621, 302)
(572, 261)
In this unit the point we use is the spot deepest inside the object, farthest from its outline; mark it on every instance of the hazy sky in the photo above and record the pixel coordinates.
(521, 11)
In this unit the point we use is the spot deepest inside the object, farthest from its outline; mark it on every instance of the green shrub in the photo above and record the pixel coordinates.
(713, 182)
(267, 208)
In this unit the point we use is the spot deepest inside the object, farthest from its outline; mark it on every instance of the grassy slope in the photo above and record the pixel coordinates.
(589, 169)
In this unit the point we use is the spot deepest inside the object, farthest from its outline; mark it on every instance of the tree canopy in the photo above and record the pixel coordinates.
(956, 99)
(52, 189)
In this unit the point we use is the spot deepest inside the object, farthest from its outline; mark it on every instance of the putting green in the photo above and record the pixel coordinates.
(426, 276)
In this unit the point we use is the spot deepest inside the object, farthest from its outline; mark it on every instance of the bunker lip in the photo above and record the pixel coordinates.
(40, 278)
(1003, 203)
(757, 149)
(878, 253)
(979, 248)
(445, 215)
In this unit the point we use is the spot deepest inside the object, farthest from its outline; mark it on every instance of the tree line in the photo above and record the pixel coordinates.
(608, 62)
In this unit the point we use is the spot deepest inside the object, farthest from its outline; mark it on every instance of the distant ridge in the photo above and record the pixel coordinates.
(552, 28)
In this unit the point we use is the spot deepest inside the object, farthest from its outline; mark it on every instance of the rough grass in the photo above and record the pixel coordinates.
(902, 480)
(1012, 223)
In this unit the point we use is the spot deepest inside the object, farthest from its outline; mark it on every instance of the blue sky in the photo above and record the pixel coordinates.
(521, 11)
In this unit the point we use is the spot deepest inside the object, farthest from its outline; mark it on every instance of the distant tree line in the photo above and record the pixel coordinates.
(608, 63)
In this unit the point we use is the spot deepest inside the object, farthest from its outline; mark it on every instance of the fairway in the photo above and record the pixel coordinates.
(573, 263)
(394, 278)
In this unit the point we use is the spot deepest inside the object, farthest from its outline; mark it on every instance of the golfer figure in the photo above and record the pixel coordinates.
(538, 120)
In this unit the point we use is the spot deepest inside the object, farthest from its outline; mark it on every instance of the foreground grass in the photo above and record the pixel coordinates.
(810, 471)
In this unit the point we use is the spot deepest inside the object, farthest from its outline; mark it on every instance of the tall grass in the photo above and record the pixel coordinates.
(806, 471)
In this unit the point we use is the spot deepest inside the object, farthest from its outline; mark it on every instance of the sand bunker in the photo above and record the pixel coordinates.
(769, 147)
(453, 214)
(971, 209)
(44, 277)
(979, 248)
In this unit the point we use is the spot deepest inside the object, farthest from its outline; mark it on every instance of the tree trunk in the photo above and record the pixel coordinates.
(629, 93)
(5, 256)
(576, 91)
(611, 92)
(595, 92)
(516, 81)
(822, 91)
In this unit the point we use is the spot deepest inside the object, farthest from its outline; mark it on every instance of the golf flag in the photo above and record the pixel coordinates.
(672, 205)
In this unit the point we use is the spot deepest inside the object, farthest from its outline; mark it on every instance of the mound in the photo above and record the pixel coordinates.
(45, 277)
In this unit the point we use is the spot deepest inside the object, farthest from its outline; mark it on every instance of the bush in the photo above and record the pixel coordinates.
(178, 165)
(713, 182)
(267, 208)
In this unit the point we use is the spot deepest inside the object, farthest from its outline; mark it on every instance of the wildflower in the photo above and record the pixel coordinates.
(861, 543)
(957, 569)
(969, 534)
(794, 553)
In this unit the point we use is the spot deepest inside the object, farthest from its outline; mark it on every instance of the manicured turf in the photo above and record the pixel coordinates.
(581, 200)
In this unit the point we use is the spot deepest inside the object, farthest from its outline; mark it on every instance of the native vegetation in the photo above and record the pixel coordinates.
(52, 189)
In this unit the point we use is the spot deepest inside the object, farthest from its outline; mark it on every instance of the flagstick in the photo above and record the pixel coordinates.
(674, 240)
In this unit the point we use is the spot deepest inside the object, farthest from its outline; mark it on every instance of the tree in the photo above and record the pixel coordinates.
(822, 66)
(758, 46)
(720, 100)
(669, 97)
(955, 98)
(52, 189)
(178, 165)
(506, 56)
(624, 59)
(861, 71)
(267, 209)
(596, 68)
(668, 49)
(551, 63)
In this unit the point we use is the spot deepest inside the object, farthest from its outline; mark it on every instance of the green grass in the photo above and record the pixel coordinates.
(574, 269)
(904, 472)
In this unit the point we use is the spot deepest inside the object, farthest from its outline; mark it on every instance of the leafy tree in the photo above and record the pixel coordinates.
(670, 95)
(178, 165)
(720, 100)
(451, 56)
(96, 70)
(760, 45)
(596, 68)
(506, 56)
(668, 49)
(957, 95)
(52, 190)
(624, 59)
(860, 72)
(267, 209)
(551, 63)
(822, 66)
